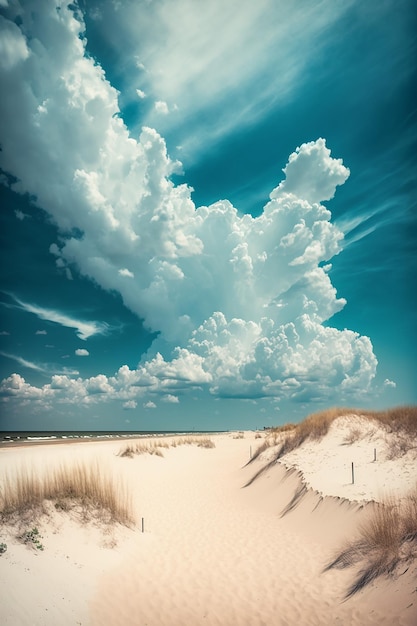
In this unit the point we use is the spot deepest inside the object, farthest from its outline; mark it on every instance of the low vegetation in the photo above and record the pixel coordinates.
(153, 447)
(199, 440)
(96, 494)
(32, 537)
(156, 446)
(400, 422)
(386, 540)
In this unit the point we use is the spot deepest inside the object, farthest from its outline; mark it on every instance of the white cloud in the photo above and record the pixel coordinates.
(98, 384)
(41, 332)
(82, 352)
(312, 174)
(149, 405)
(239, 302)
(140, 94)
(13, 48)
(389, 383)
(161, 107)
(15, 385)
(24, 362)
(127, 273)
(84, 330)
(20, 215)
(130, 404)
(170, 399)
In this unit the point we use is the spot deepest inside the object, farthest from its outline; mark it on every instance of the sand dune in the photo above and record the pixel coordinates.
(212, 551)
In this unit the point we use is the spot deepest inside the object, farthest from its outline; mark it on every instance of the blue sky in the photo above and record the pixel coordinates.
(208, 211)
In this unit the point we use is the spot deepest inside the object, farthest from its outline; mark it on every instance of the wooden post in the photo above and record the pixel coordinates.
(143, 524)
(374, 454)
(353, 474)
(250, 452)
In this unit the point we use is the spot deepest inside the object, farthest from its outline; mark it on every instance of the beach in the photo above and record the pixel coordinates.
(211, 544)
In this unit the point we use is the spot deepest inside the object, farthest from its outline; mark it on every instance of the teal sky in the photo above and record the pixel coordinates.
(208, 211)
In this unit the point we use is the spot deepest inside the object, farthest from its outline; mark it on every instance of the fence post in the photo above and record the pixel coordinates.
(353, 474)
(250, 452)
(143, 524)
(374, 454)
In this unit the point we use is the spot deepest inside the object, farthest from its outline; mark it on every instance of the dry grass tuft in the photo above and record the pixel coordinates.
(354, 434)
(23, 495)
(198, 440)
(387, 540)
(152, 447)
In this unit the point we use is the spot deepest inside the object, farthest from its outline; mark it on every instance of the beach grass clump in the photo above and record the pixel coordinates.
(99, 494)
(199, 440)
(354, 435)
(152, 447)
(386, 540)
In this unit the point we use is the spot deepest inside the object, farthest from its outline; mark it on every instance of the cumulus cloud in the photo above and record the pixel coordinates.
(127, 273)
(82, 352)
(130, 404)
(241, 304)
(170, 398)
(13, 48)
(312, 174)
(149, 405)
(161, 107)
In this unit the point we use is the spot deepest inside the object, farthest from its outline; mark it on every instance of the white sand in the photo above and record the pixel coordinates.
(212, 552)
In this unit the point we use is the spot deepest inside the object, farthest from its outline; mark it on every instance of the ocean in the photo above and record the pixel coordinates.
(60, 435)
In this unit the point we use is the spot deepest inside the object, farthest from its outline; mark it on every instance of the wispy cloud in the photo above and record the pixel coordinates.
(201, 60)
(45, 368)
(83, 330)
(24, 362)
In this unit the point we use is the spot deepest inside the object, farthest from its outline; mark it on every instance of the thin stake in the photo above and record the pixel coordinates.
(250, 452)
(143, 524)
(374, 454)
(353, 474)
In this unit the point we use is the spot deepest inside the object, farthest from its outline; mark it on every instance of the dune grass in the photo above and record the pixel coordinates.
(386, 540)
(23, 495)
(401, 422)
(151, 447)
(196, 440)
(154, 446)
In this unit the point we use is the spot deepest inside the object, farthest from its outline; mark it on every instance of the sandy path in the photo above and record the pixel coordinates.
(214, 553)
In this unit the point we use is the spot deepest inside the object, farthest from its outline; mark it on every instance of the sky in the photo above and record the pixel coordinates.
(208, 211)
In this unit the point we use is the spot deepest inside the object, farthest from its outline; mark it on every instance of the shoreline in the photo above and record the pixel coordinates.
(49, 439)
